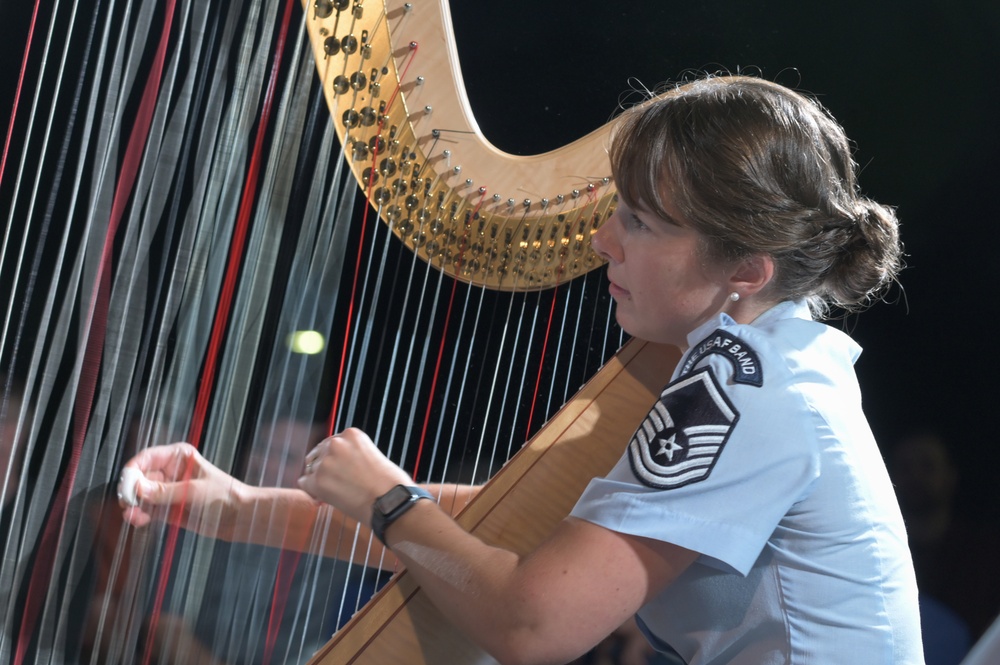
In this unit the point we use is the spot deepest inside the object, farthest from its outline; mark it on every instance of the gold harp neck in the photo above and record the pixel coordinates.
(393, 84)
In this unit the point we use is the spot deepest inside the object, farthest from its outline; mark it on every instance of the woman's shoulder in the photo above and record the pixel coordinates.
(784, 342)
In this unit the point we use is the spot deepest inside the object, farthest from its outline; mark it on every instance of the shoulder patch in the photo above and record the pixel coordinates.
(682, 437)
(746, 364)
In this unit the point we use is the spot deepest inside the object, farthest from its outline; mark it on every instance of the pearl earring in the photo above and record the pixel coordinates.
(734, 296)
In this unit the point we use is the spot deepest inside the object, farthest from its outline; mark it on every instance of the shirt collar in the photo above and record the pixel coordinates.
(788, 309)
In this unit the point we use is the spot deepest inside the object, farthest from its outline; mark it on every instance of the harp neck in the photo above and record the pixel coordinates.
(392, 80)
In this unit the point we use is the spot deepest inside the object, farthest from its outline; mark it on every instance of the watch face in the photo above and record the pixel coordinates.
(392, 499)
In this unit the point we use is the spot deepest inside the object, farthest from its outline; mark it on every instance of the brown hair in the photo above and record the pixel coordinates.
(757, 168)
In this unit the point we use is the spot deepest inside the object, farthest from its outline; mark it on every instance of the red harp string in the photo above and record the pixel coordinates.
(94, 344)
(182, 343)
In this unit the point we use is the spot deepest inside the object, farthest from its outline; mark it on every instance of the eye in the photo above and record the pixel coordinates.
(635, 223)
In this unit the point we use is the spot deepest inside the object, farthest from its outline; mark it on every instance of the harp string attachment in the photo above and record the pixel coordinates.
(447, 360)
(426, 164)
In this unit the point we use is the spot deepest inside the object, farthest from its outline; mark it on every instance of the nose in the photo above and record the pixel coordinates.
(605, 240)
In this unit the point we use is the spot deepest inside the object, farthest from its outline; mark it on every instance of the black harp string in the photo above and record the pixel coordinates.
(167, 269)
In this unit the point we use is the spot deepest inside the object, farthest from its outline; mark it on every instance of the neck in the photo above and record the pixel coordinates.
(747, 310)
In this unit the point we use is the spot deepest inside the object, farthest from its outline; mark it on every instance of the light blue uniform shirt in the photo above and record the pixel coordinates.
(758, 456)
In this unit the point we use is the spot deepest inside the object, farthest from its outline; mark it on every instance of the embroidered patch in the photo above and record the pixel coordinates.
(746, 365)
(682, 437)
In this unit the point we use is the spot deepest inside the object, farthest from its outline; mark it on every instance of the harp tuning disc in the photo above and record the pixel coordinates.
(323, 8)
(368, 116)
(360, 150)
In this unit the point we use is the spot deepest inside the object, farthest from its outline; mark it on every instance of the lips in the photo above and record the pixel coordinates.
(617, 291)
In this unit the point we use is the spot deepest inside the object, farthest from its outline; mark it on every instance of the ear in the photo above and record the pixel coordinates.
(752, 274)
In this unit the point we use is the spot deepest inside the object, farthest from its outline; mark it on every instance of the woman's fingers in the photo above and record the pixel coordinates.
(348, 471)
(171, 462)
(128, 485)
(166, 476)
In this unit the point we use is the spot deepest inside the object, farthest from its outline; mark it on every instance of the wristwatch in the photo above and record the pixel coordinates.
(392, 505)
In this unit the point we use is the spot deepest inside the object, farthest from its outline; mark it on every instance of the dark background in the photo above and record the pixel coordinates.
(914, 84)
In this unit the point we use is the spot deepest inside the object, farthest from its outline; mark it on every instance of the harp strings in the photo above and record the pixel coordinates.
(62, 516)
(434, 367)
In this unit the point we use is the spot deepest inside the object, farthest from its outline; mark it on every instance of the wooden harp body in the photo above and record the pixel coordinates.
(517, 509)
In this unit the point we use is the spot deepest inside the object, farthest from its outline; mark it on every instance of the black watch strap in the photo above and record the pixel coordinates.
(392, 505)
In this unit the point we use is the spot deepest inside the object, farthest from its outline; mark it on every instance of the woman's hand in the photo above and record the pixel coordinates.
(349, 472)
(177, 477)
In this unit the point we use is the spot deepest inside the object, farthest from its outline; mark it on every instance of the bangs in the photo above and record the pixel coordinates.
(642, 163)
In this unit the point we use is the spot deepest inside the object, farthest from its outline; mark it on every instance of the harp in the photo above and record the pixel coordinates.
(181, 189)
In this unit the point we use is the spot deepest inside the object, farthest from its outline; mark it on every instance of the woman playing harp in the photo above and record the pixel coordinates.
(750, 519)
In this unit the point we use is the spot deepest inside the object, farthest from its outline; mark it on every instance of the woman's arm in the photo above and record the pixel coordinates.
(181, 486)
(548, 606)
(303, 517)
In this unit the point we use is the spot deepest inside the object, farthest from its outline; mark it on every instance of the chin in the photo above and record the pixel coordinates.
(651, 336)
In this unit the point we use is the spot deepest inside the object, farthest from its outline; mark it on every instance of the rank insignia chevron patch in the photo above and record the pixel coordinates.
(680, 440)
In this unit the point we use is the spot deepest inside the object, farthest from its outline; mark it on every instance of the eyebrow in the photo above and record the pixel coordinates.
(666, 218)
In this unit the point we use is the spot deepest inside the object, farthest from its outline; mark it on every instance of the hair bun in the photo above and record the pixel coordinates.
(871, 261)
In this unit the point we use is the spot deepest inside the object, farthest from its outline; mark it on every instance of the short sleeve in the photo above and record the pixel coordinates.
(715, 465)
